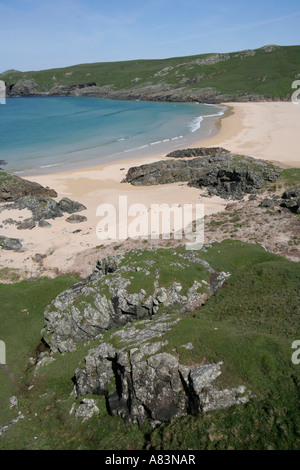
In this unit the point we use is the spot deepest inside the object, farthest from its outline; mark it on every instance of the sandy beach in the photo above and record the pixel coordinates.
(266, 130)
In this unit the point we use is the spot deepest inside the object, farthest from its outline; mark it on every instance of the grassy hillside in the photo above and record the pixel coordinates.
(268, 71)
(249, 324)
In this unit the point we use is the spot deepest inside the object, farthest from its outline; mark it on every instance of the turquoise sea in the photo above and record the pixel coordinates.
(56, 133)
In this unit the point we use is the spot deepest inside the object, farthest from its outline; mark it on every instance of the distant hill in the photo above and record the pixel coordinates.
(258, 74)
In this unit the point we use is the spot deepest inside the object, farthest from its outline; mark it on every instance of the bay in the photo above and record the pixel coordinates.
(42, 134)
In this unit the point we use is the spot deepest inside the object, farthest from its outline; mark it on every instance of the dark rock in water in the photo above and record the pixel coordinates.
(224, 174)
(75, 219)
(44, 224)
(10, 243)
(69, 206)
(197, 152)
(27, 224)
(13, 187)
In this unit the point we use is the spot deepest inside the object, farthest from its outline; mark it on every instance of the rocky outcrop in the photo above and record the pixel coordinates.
(69, 206)
(27, 87)
(10, 243)
(27, 224)
(69, 90)
(171, 93)
(41, 207)
(107, 299)
(291, 200)
(45, 208)
(134, 368)
(223, 174)
(197, 152)
(141, 382)
(13, 187)
(76, 219)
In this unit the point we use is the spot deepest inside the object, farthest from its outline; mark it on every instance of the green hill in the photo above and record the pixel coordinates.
(249, 325)
(263, 73)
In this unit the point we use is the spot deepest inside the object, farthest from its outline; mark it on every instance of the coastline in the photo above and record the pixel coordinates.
(174, 129)
(253, 129)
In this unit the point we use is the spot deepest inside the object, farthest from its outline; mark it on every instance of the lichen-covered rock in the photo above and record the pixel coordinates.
(69, 206)
(141, 382)
(27, 224)
(76, 218)
(44, 207)
(105, 299)
(13, 187)
(291, 200)
(41, 207)
(86, 409)
(25, 87)
(223, 174)
(197, 152)
(10, 243)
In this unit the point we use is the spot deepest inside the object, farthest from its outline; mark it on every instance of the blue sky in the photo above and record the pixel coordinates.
(40, 34)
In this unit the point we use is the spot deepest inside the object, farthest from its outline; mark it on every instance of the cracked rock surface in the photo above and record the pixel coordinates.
(111, 297)
(142, 382)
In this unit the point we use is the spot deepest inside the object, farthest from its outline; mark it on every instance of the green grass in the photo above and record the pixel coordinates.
(9, 275)
(261, 73)
(291, 177)
(263, 289)
(21, 319)
(5, 178)
(249, 324)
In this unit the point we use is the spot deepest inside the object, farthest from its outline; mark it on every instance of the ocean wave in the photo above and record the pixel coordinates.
(53, 164)
(195, 124)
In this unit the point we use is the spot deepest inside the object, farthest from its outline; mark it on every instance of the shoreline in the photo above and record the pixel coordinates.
(87, 154)
(247, 128)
